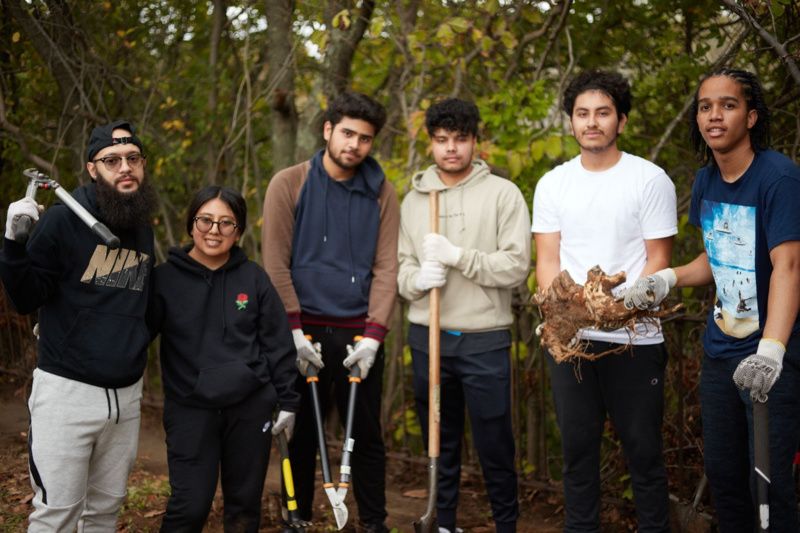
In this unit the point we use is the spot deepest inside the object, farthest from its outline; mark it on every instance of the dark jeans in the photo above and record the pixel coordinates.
(629, 388)
(201, 443)
(368, 460)
(728, 440)
(482, 383)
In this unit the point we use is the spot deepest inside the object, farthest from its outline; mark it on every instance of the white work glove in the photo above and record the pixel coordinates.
(307, 353)
(760, 371)
(25, 207)
(363, 355)
(284, 422)
(436, 247)
(650, 291)
(431, 274)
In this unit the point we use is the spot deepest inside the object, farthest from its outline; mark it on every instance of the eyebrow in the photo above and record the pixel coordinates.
(723, 98)
(601, 108)
(348, 130)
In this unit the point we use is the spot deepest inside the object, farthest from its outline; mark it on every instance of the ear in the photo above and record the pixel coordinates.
(327, 129)
(622, 121)
(752, 118)
(91, 168)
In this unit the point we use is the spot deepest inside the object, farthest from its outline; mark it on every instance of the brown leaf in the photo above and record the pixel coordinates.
(416, 493)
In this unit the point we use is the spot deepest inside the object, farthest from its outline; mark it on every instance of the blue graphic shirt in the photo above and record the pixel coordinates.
(741, 222)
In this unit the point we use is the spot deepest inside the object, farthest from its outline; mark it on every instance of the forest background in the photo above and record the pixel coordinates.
(228, 92)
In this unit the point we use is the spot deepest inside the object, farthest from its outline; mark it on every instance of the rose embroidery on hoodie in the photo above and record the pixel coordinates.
(241, 301)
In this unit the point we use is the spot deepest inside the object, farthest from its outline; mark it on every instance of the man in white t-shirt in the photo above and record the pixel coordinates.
(609, 208)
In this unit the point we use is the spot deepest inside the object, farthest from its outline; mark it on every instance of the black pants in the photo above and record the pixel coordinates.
(482, 383)
(629, 387)
(368, 461)
(203, 442)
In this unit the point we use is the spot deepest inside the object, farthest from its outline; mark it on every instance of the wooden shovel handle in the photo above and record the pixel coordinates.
(433, 346)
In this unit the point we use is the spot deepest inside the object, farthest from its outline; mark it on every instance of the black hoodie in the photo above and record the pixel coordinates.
(224, 333)
(91, 300)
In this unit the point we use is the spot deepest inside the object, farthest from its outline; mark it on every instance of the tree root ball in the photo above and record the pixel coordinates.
(568, 307)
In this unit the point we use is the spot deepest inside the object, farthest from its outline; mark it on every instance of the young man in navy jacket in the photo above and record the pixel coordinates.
(329, 244)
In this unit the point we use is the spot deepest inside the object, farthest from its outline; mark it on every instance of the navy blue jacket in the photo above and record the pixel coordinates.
(335, 238)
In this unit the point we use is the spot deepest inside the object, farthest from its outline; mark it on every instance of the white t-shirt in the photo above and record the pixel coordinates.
(604, 219)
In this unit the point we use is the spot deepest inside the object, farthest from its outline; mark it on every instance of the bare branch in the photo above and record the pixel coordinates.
(791, 66)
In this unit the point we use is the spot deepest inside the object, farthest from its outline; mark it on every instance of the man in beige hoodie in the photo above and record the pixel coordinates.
(481, 253)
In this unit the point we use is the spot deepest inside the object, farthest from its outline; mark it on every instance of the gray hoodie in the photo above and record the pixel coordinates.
(487, 217)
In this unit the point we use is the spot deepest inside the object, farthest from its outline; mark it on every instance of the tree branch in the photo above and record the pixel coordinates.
(791, 66)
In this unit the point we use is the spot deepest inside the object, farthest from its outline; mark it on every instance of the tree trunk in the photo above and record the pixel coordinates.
(280, 57)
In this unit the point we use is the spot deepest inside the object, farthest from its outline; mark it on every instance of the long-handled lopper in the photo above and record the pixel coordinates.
(339, 510)
(761, 455)
(349, 442)
(292, 516)
(427, 523)
(37, 180)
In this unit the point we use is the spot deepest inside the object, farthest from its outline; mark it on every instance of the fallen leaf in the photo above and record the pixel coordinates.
(416, 493)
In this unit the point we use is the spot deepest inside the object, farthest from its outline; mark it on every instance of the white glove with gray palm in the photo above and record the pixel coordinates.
(760, 371)
(650, 291)
(362, 355)
(284, 422)
(307, 353)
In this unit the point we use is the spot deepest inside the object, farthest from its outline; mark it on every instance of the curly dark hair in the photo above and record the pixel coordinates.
(231, 197)
(453, 114)
(754, 97)
(356, 105)
(610, 83)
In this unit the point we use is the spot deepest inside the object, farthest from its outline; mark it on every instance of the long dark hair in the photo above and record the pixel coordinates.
(231, 197)
(754, 97)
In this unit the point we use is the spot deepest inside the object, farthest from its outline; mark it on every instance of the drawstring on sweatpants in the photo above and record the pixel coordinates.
(116, 402)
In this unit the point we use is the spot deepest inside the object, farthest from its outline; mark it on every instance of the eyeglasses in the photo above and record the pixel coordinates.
(225, 227)
(113, 162)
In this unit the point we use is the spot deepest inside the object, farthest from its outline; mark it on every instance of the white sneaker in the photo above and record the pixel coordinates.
(445, 530)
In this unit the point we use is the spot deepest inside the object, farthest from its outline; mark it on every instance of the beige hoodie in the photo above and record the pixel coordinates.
(487, 217)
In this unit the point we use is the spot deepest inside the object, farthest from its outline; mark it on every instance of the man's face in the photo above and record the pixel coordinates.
(349, 141)
(111, 165)
(722, 115)
(594, 121)
(452, 152)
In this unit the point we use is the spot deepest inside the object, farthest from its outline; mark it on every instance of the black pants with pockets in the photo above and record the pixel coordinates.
(201, 443)
(368, 460)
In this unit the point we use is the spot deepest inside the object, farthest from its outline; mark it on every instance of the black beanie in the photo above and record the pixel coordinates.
(102, 137)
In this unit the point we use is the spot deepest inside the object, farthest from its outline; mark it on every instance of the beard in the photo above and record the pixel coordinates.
(125, 210)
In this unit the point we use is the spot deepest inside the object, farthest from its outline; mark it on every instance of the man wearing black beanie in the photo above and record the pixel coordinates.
(86, 392)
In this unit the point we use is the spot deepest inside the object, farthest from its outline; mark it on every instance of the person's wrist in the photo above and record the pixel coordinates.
(668, 275)
(771, 348)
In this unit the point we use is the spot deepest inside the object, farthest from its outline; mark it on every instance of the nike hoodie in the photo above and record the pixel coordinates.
(224, 333)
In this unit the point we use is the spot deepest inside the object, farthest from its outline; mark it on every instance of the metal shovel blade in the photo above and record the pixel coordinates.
(339, 510)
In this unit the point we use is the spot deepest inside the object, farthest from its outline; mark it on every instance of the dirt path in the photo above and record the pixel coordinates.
(148, 486)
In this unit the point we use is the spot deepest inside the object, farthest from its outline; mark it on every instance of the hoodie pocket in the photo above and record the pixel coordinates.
(106, 348)
(224, 385)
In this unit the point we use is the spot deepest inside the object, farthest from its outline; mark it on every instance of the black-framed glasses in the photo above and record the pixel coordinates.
(113, 162)
(225, 227)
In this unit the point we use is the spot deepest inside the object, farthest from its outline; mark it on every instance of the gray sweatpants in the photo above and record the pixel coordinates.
(82, 445)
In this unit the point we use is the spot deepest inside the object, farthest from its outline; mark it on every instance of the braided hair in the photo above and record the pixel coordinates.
(754, 97)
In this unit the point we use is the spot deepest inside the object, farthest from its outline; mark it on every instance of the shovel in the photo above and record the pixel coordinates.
(292, 517)
(761, 453)
(427, 523)
(339, 509)
(349, 443)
